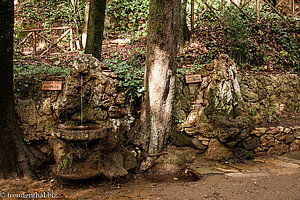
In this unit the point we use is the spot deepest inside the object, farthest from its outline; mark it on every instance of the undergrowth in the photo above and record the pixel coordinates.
(33, 71)
(127, 16)
(237, 33)
(46, 14)
(271, 44)
(131, 74)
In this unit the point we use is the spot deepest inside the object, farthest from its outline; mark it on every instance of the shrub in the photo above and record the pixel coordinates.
(237, 33)
(126, 16)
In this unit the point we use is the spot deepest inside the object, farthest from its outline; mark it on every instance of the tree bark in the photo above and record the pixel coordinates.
(85, 24)
(192, 15)
(15, 156)
(95, 27)
(160, 74)
(184, 32)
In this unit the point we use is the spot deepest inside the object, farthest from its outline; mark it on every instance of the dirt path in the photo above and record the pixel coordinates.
(262, 179)
(219, 187)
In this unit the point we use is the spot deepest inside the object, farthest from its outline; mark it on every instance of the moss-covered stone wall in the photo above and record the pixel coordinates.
(228, 114)
(219, 115)
(103, 103)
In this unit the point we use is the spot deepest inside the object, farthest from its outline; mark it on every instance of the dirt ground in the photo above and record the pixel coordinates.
(269, 178)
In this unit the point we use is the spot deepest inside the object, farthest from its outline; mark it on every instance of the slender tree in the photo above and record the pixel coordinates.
(15, 157)
(95, 27)
(184, 33)
(85, 23)
(160, 74)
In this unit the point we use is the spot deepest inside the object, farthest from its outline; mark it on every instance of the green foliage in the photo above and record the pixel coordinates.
(27, 140)
(237, 33)
(64, 162)
(130, 118)
(126, 16)
(131, 74)
(51, 12)
(291, 53)
(295, 107)
(194, 67)
(21, 71)
(253, 111)
(208, 16)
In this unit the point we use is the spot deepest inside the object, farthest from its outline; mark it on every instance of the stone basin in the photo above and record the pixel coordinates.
(80, 133)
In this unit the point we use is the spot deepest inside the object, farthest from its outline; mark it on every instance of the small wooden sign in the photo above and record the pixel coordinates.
(195, 78)
(51, 85)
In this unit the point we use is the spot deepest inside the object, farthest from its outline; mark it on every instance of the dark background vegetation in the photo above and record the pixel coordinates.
(271, 46)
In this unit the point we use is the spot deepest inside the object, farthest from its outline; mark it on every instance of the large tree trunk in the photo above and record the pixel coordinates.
(95, 27)
(160, 74)
(15, 157)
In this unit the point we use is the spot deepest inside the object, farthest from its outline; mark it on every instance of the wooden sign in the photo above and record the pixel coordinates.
(195, 78)
(51, 85)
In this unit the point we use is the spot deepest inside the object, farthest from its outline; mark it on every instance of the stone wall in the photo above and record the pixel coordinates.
(275, 140)
(219, 115)
(103, 101)
(269, 96)
(226, 115)
(103, 104)
(261, 141)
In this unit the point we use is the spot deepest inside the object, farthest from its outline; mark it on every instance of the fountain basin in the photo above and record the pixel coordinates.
(80, 133)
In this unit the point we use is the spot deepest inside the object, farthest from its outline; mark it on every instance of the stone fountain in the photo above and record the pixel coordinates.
(80, 133)
(92, 114)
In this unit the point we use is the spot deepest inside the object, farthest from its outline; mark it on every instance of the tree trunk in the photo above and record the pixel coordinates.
(184, 33)
(15, 157)
(192, 15)
(95, 27)
(160, 74)
(85, 24)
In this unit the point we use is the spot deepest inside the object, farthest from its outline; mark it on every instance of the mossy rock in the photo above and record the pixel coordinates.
(227, 135)
(223, 108)
(178, 156)
(183, 103)
(182, 140)
(251, 143)
(232, 131)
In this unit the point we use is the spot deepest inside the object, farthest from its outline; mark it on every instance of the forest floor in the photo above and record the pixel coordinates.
(263, 178)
